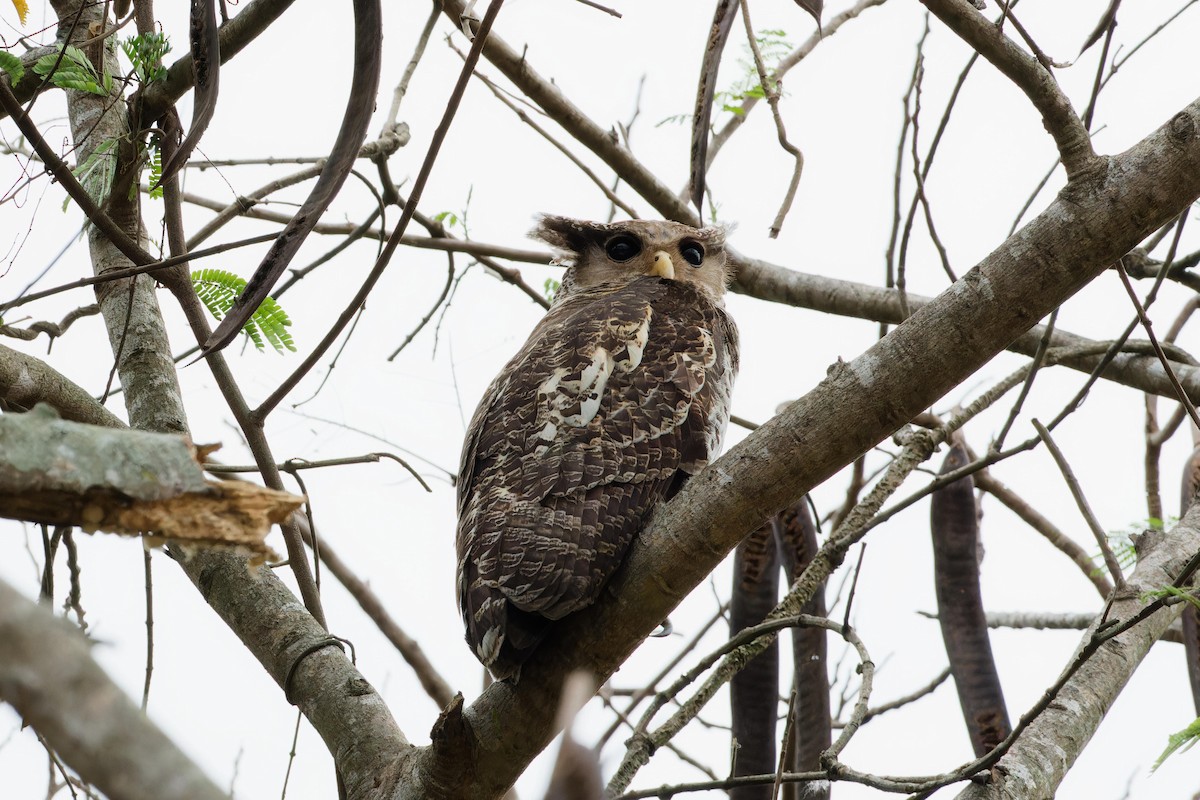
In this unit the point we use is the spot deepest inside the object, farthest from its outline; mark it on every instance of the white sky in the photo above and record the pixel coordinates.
(843, 109)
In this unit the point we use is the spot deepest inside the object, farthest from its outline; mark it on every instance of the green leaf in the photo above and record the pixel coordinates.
(1172, 591)
(155, 160)
(97, 171)
(74, 71)
(12, 67)
(550, 288)
(1179, 742)
(218, 289)
(145, 52)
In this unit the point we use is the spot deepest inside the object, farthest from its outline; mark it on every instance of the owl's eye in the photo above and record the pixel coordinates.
(693, 253)
(623, 247)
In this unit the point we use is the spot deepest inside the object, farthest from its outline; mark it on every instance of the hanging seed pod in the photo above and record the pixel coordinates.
(955, 527)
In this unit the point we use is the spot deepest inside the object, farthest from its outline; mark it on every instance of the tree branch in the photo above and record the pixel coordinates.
(1048, 747)
(855, 407)
(1030, 76)
(767, 281)
(27, 381)
(50, 678)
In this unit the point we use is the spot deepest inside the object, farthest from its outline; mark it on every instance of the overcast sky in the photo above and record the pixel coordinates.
(283, 97)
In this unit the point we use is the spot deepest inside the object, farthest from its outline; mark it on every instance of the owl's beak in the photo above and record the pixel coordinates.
(662, 266)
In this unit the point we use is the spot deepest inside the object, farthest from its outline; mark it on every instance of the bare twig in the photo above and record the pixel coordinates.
(1110, 560)
(987, 482)
(771, 91)
(1030, 75)
(410, 208)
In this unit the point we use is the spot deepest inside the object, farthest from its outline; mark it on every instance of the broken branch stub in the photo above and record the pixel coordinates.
(127, 481)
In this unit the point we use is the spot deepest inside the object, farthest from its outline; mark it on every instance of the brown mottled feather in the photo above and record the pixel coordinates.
(557, 477)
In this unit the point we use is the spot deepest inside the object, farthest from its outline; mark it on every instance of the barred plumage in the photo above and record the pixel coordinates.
(621, 392)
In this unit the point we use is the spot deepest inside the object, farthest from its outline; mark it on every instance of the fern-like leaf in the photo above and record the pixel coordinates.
(74, 71)
(12, 67)
(1179, 742)
(218, 289)
(155, 158)
(145, 52)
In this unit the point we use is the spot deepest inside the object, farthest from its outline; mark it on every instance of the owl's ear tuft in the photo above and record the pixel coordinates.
(713, 236)
(563, 233)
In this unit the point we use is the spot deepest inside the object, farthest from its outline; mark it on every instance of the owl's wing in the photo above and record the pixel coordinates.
(614, 399)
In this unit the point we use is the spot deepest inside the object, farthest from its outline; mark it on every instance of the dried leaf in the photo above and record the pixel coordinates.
(754, 689)
(955, 526)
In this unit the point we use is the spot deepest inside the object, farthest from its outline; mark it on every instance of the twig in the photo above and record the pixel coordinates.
(154, 266)
(52, 329)
(557, 145)
(894, 269)
(1110, 560)
(419, 50)
(1162, 356)
(1030, 75)
(148, 570)
(739, 117)
(736, 649)
(433, 310)
(911, 697)
(919, 175)
(771, 91)
(599, 7)
(987, 482)
(431, 680)
(918, 447)
(1034, 367)
(410, 208)
(641, 694)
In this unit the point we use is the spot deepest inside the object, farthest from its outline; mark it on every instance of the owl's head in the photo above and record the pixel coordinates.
(618, 252)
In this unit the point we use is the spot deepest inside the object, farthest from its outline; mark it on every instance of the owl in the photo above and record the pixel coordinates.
(620, 394)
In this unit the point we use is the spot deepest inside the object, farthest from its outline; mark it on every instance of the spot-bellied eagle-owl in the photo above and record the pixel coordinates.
(621, 392)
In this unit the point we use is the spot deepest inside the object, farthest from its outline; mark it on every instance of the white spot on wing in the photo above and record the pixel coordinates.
(589, 389)
(635, 344)
(596, 372)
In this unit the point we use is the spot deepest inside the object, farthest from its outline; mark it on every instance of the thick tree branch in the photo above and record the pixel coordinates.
(27, 381)
(1030, 76)
(50, 678)
(361, 734)
(858, 404)
(846, 298)
(343, 707)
